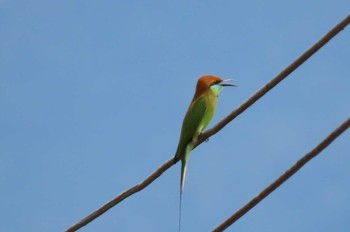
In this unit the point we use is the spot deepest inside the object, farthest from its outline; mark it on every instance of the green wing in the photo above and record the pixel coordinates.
(191, 124)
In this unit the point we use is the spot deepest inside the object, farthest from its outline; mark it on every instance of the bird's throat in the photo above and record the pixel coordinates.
(216, 89)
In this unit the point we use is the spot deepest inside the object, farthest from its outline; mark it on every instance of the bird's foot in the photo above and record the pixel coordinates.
(200, 136)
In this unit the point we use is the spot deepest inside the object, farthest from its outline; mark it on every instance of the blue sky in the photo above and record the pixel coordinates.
(93, 94)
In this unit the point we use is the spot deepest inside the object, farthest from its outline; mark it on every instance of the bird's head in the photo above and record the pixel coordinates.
(209, 82)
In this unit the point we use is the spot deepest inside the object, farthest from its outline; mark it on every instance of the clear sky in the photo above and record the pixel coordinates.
(93, 93)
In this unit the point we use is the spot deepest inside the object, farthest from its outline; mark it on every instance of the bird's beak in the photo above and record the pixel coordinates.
(224, 83)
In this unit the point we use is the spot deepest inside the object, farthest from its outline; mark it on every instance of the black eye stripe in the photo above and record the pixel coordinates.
(215, 83)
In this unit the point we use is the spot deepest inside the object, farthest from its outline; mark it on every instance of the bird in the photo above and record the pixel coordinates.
(199, 114)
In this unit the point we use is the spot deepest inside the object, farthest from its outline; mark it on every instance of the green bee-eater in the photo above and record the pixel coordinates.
(197, 118)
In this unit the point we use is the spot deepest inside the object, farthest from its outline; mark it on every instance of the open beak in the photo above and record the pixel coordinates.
(224, 83)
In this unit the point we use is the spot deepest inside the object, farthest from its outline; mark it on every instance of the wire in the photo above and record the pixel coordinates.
(285, 176)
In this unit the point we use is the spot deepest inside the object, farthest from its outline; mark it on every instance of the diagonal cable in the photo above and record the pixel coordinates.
(285, 176)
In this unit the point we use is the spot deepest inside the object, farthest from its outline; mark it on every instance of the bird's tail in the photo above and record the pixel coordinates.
(182, 182)
(184, 159)
(183, 175)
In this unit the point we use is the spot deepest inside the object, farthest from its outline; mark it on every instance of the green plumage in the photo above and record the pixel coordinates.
(197, 118)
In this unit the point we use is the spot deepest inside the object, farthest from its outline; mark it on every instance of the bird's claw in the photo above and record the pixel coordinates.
(200, 136)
